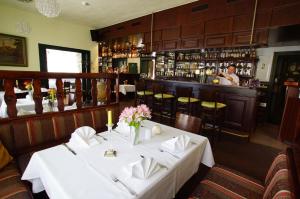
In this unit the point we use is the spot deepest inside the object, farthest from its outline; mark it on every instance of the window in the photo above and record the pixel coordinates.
(61, 59)
(56, 59)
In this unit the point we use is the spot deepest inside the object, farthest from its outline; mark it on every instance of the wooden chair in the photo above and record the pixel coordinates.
(185, 99)
(188, 123)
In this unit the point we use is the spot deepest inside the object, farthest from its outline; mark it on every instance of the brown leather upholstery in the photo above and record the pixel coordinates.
(24, 136)
(222, 182)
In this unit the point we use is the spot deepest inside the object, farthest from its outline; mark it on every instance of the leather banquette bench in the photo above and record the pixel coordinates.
(25, 135)
(281, 181)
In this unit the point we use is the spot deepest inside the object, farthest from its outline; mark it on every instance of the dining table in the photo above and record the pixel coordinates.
(126, 88)
(66, 172)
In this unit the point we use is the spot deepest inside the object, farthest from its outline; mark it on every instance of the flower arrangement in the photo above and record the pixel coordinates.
(28, 85)
(133, 116)
(52, 94)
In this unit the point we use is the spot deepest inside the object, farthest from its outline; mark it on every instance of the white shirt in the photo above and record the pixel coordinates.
(235, 79)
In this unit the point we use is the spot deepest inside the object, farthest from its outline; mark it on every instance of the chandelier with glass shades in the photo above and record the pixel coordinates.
(48, 8)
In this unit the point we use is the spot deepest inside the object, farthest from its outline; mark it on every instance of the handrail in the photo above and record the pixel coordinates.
(5, 74)
(10, 77)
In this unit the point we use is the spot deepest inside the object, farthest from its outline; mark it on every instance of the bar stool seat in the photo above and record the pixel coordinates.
(187, 99)
(186, 102)
(217, 105)
(142, 93)
(212, 112)
(163, 102)
(164, 95)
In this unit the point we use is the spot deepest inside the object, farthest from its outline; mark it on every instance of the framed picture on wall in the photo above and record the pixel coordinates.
(13, 50)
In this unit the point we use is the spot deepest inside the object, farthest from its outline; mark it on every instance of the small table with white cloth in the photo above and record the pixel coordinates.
(88, 174)
(126, 88)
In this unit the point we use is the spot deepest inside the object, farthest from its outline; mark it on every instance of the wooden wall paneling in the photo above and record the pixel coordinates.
(235, 7)
(171, 33)
(242, 23)
(219, 26)
(286, 15)
(166, 18)
(189, 43)
(263, 5)
(156, 36)
(201, 10)
(242, 38)
(37, 96)
(213, 41)
(139, 25)
(263, 19)
(262, 36)
(192, 30)
(170, 44)
(157, 46)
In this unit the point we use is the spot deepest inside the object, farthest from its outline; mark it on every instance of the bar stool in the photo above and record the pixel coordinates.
(142, 96)
(185, 99)
(212, 111)
(163, 102)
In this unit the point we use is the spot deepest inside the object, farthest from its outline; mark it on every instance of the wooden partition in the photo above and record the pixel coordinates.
(9, 78)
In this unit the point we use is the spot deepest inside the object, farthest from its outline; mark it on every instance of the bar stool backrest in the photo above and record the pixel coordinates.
(184, 92)
(158, 88)
(208, 95)
(140, 85)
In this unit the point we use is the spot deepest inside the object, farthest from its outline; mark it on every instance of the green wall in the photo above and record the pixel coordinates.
(52, 31)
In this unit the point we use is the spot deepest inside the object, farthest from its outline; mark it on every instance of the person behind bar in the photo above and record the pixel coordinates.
(229, 78)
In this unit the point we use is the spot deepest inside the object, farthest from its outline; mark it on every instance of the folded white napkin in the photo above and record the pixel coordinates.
(144, 168)
(123, 127)
(177, 144)
(84, 137)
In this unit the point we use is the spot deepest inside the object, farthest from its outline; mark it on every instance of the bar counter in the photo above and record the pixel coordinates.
(240, 111)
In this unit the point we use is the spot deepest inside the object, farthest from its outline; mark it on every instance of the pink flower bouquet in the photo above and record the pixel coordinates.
(133, 116)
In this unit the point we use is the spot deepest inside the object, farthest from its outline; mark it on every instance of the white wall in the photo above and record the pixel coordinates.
(264, 65)
(52, 31)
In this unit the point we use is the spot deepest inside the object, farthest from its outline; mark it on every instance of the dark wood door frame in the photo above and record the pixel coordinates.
(86, 63)
(272, 76)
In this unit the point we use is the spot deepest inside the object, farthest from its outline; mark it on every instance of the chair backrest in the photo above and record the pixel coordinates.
(184, 91)
(157, 88)
(139, 85)
(188, 123)
(208, 95)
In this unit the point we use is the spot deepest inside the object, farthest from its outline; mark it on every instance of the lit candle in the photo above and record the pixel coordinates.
(109, 118)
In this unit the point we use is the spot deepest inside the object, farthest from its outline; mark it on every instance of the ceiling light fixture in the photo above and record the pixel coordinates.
(48, 8)
(85, 3)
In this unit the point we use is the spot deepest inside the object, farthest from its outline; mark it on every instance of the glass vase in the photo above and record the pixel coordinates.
(134, 135)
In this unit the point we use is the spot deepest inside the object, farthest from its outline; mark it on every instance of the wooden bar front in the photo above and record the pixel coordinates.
(240, 101)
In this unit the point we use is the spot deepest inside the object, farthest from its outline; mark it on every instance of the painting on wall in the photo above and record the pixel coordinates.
(12, 50)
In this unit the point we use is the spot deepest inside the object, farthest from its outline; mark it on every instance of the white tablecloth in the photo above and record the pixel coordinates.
(26, 107)
(88, 174)
(126, 88)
